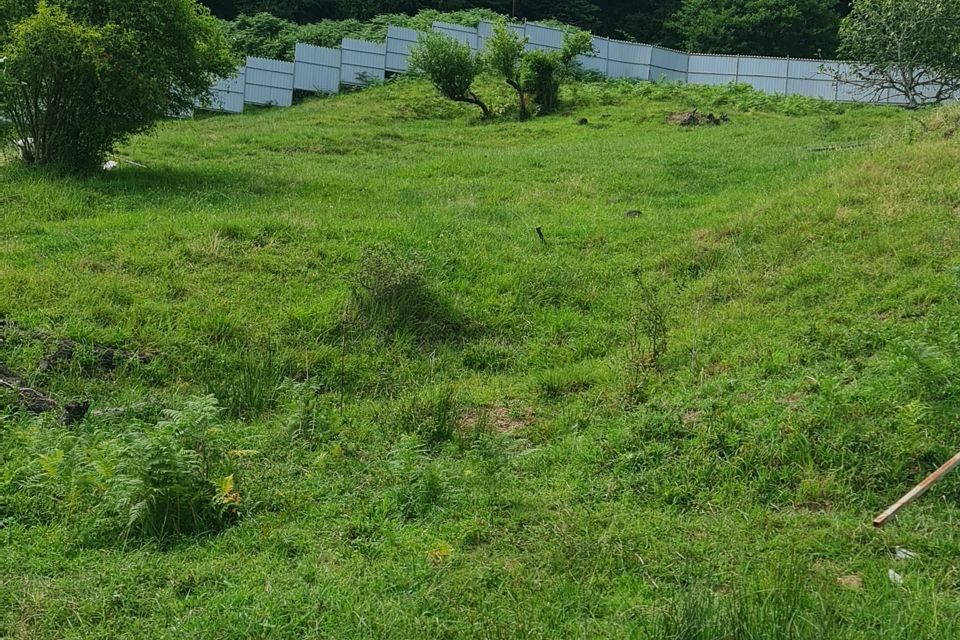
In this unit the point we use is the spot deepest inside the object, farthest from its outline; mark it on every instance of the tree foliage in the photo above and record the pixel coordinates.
(543, 72)
(83, 75)
(451, 66)
(267, 35)
(757, 27)
(908, 47)
(650, 21)
(505, 51)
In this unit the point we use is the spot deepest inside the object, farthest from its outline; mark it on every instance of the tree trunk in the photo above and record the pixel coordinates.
(520, 97)
(471, 98)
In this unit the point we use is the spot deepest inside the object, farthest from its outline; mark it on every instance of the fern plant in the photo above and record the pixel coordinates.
(152, 482)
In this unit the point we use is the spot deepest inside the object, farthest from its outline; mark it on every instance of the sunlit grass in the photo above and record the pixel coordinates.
(481, 447)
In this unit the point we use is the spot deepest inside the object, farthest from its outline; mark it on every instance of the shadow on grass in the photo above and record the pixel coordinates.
(390, 295)
(151, 185)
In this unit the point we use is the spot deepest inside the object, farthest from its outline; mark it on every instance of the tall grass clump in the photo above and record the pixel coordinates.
(245, 377)
(786, 609)
(431, 414)
(389, 292)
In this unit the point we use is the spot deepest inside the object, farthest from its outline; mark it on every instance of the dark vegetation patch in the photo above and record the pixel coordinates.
(696, 119)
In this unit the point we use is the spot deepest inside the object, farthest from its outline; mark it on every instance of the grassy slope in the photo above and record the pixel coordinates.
(786, 411)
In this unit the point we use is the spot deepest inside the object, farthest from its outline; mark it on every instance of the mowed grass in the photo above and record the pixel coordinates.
(492, 452)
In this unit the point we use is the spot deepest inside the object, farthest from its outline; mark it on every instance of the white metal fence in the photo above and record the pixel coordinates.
(356, 62)
(268, 82)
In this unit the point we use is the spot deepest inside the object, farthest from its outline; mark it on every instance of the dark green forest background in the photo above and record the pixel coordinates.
(763, 27)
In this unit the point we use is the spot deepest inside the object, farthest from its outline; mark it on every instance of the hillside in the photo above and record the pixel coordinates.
(434, 424)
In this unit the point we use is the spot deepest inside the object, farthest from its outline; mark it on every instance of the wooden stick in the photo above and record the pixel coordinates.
(917, 491)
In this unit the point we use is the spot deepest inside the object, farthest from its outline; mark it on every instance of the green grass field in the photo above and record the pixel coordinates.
(432, 424)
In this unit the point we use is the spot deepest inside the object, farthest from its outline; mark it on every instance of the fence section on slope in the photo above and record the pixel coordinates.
(358, 63)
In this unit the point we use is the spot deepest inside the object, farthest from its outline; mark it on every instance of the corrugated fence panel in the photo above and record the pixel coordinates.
(598, 61)
(544, 38)
(362, 62)
(269, 82)
(764, 74)
(460, 33)
(669, 64)
(227, 93)
(400, 41)
(709, 69)
(316, 69)
(811, 78)
(628, 60)
(485, 31)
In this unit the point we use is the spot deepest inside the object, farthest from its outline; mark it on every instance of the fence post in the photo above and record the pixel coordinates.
(786, 79)
(736, 74)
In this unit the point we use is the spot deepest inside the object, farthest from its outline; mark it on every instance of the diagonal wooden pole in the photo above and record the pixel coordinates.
(917, 491)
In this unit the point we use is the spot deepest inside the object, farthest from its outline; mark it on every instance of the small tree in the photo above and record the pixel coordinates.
(82, 76)
(504, 55)
(543, 72)
(909, 47)
(450, 66)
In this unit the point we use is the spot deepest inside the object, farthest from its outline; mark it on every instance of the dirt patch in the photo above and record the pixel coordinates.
(696, 119)
(717, 368)
(853, 582)
(500, 419)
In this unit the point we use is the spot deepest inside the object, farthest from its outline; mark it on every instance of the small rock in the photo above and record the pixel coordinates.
(852, 581)
(633, 213)
(904, 554)
(895, 577)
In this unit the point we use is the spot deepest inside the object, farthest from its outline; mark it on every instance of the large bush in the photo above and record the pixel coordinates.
(450, 66)
(909, 47)
(543, 72)
(81, 76)
(758, 27)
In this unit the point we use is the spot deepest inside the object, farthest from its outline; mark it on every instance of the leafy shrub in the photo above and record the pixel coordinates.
(544, 71)
(418, 484)
(82, 76)
(263, 35)
(450, 66)
(165, 484)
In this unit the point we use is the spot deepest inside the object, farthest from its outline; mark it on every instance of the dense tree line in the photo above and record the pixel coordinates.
(773, 27)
